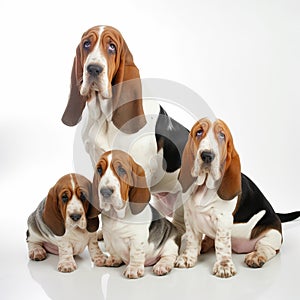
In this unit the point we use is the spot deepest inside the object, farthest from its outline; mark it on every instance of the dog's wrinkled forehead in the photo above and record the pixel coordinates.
(205, 133)
(200, 131)
(73, 185)
(105, 39)
(119, 162)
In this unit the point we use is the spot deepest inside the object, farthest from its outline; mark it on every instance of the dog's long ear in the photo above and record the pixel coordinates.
(76, 102)
(231, 182)
(128, 113)
(139, 194)
(188, 159)
(52, 215)
(93, 210)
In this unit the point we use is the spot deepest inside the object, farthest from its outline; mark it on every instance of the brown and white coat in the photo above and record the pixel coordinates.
(134, 232)
(64, 223)
(105, 78)
(223, 204)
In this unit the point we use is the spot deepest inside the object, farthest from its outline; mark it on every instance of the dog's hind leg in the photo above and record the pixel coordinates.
(265, 249)
(167, 260)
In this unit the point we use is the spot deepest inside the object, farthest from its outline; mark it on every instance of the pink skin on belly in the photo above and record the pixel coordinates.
(165, 203)
(51, 248)
(240, 245)
(151, 261)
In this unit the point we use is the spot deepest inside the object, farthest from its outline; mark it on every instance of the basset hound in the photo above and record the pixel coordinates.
(134, 232)
(223, 204)
(64, 223)
(105, 78)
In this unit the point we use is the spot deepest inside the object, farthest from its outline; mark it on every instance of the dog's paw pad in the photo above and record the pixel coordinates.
(224, 269)
(100, 260)
(133, 272)
(185, 261)
(67, 266)
(37, 254)
(255, 260)
(113, 261)
(162, 269)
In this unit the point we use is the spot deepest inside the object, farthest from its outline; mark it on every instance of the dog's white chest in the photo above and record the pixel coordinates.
(100, 135)
(78, 238)
(132, 231)
(206, 211)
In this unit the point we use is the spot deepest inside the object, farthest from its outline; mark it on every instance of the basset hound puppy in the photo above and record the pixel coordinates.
(105, 78)
(134, 232)
(223, 204)
(64, 223)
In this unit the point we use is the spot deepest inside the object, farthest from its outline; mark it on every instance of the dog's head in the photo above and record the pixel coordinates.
(69, 204)
(211, 159)
(102, 65)
(118, 182)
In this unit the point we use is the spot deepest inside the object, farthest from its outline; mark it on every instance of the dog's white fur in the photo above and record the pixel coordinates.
(205, 213)
(126, 235)
(73, 242)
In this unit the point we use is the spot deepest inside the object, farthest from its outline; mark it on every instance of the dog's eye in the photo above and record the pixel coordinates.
(112, 48)
(199, 133)
(64, 198)
(100, 171)
(121, 171)
(87, 44)
(221, 135)
(82, 197)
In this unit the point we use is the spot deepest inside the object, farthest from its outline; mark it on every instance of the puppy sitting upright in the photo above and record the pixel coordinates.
(224, 204)
(133, 231)
(65, 223)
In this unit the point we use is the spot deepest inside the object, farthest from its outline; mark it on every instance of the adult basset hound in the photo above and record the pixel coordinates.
(64, 223)
(223, 204)
(105, 78)
(134, 232)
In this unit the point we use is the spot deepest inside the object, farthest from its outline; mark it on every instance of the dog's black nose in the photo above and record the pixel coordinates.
(75, 217)
(106, 192)
(94, 70)
(207, 156)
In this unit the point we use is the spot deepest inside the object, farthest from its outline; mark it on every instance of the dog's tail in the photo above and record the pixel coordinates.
(289, 216)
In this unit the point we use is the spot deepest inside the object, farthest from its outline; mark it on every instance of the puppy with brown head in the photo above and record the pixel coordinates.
(134, 232)
(65, 223)
(223, 204)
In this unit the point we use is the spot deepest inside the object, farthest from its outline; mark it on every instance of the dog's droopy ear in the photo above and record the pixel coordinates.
(139, 195)
(52, 214)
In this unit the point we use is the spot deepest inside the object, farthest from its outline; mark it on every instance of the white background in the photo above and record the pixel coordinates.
(242, 57)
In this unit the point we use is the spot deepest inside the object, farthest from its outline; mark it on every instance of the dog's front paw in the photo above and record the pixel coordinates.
(255, 259)
(67, 266)
(38, 253)
(161, 269)
(100, 260)
(224, 269)
(113, 261)
(134, 272)
(185, 261)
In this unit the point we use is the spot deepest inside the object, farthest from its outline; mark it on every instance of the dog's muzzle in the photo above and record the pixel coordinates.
(207, 156)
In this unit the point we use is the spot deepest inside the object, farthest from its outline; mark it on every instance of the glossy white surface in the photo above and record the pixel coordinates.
(242, 57)
(20, 277)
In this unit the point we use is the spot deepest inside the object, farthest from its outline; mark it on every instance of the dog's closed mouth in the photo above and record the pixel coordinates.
(95, 87)
(202, 177)
(114, 213)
